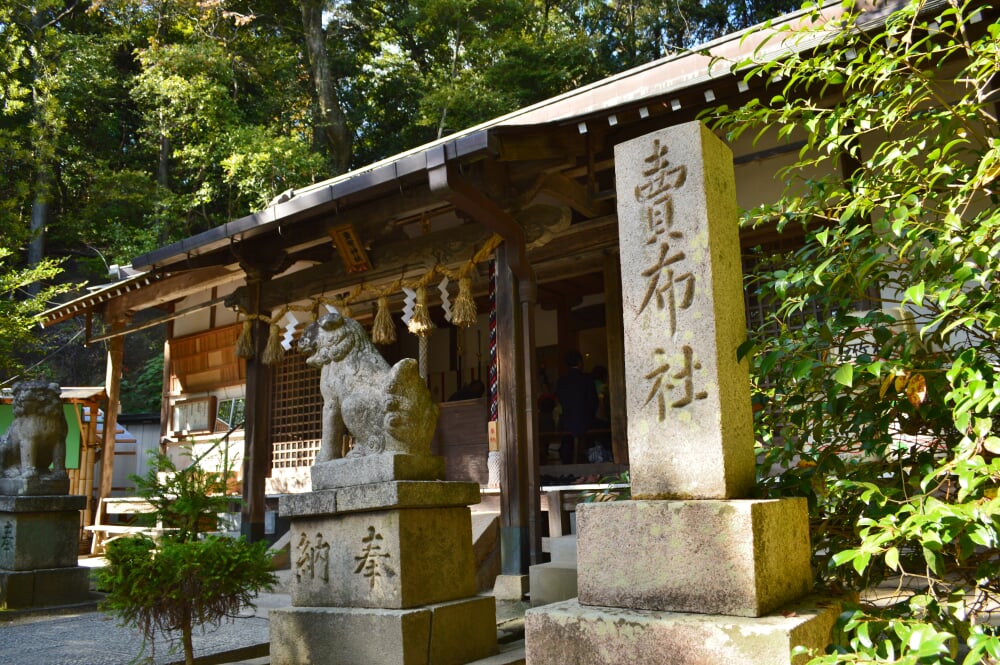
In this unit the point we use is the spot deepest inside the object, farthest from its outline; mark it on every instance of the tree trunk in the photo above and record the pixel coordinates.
(187, 638)
(330, 129)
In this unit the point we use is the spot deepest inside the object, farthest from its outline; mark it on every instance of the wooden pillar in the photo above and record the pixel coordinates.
(260, 262)
(528, 292)
(257, 444)
(112, 385)
(168, 374)
(514, 530)
(616, 355)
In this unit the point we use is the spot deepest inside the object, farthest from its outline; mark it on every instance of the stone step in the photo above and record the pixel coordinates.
(562, 549)
(552, 582)
(510, 654)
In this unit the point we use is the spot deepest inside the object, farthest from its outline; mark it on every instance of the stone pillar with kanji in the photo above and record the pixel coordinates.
(691, 570)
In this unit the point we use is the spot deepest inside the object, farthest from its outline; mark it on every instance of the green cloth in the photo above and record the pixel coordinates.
(72, 434)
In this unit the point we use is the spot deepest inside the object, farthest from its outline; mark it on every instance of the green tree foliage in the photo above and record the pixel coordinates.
(187, 579)
(20, 304)
(129, 124)
(881, 409)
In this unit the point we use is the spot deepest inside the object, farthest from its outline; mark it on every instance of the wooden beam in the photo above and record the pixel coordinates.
(169, 289)
(455, 246)
(530, 454)
(169, 316)
(555, 143)
(390, 260)
(570, 192)
(595, 234)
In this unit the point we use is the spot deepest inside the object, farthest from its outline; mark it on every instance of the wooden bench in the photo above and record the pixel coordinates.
(562, 500)
(103, 533)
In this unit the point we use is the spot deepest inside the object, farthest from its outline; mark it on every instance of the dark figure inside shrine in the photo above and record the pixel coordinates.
(577, 396)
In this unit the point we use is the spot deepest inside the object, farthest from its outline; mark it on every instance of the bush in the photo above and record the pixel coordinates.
(881, 408)
(187, 579)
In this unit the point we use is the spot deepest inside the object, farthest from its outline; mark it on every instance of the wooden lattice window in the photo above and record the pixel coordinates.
(296, 412)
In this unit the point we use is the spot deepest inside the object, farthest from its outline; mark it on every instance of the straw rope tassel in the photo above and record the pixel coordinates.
(383, 330)
(244, 343)
(274, 353)
(420, 323)
(464, 311)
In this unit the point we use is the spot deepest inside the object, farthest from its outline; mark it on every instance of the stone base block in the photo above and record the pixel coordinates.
(390, 559)
(39, 532)
(442, 634)
(510, 587)
(37, 485)
(377, 468)
(568, 632)
(379, 496)
(44, 588)
(552, 582)
(739, 557)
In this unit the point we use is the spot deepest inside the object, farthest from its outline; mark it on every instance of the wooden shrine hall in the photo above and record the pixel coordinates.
(518, 213)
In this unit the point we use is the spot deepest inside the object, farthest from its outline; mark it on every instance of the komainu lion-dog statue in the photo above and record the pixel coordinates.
(386, 409)
(36, 439)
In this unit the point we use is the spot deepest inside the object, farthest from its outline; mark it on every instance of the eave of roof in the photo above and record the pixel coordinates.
(99, 296)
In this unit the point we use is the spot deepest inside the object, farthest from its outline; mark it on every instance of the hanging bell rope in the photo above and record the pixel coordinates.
(245, 342)
(383, 329)
(274, 352)
(421, 324)
(463, 312)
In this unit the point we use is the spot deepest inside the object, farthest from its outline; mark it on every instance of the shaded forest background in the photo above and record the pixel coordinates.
(129, 124)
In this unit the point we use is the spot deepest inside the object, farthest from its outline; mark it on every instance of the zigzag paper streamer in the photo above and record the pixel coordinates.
(408, 304)
(445, 302)
(290, 321)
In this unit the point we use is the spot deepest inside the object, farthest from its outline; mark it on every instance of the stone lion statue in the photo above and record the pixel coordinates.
(385, 409)
(36, 439)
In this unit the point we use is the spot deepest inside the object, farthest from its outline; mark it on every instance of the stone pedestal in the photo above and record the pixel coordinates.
(738, 558)
(383, 570)
(39, 545)
(691, 571)
(569, 632)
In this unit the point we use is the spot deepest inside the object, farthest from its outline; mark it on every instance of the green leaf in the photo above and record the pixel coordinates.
(845, 375)
(915, 294)
(892, 558)
(820, 269)
(802, 368)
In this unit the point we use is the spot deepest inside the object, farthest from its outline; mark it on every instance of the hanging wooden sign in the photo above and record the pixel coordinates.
(352, 251)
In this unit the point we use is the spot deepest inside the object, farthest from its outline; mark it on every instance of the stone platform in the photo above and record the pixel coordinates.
(569, 632)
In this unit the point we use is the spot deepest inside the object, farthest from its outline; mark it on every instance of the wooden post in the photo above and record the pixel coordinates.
(616, 355)
(257, 444)
(168, 373)
(260, 262)
(528, 293)
(112, 383)
(88, 445)
(514, 534)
